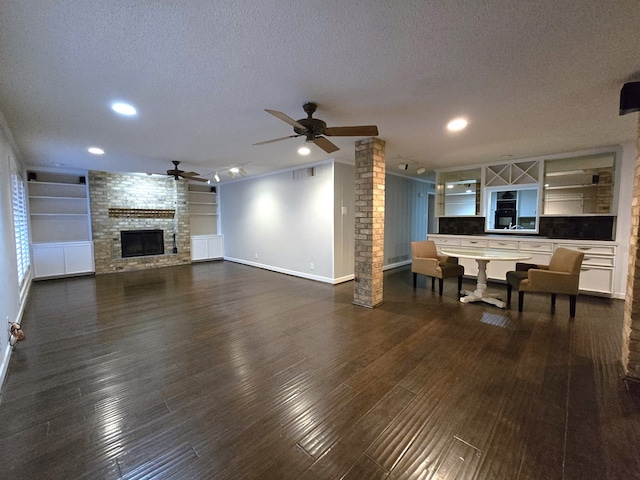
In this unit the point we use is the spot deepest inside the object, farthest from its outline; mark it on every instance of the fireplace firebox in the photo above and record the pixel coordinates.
(138, 243)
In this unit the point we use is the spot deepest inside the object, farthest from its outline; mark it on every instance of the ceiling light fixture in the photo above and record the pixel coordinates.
(457, 124)
(449, 185)
(304, 150)
(243, 172)
(403, 166)
(95, 151)
(216, 177)
(421, 170)
(124, 109)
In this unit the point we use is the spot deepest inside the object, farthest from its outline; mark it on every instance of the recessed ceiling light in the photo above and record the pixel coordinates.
(95, 150)
(124, 109)
(457, 124)
(304, 150)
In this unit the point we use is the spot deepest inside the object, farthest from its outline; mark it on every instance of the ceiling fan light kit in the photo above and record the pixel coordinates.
(177, 174)
(313, 129)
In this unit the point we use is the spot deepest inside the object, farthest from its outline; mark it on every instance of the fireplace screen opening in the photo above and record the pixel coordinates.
(138, 243)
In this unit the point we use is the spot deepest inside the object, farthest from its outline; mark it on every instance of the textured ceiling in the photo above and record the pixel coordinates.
(533, 78)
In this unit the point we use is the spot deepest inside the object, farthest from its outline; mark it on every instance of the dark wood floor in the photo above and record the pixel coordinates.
(222, 371)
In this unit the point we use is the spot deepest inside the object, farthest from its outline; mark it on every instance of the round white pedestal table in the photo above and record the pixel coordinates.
(483, 256)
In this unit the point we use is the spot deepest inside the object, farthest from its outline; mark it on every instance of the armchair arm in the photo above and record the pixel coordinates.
(551, 282)
(426, 266)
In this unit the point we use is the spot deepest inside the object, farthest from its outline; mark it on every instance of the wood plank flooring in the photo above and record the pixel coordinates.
(223, 371)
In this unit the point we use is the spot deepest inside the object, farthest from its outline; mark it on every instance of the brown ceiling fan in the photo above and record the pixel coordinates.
(176, 173)
(314, 128)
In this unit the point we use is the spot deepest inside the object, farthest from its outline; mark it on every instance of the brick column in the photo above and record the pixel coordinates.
(369, 222)
(631, 329)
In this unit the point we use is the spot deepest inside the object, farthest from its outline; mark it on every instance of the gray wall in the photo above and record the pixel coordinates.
(344, 218)
(405, 217)
(291, 223)
(281, 224)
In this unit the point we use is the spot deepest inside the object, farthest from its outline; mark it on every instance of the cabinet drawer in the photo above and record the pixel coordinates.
(447, 241)
(536, 246)
(594, 279)
(503, 244)
(597, 260)
(467, 242)
(589, 249)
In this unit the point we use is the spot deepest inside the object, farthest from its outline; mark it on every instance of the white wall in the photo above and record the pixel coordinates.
(281, 224)
(624, 181)
(11, 305)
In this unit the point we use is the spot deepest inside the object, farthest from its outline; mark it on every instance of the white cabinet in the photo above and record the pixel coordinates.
(206, 247)
(60, 259)
(596, 275)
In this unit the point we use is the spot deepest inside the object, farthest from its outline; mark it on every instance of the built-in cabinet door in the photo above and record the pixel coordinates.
(48, 260)
(198, 248)
(78, 259)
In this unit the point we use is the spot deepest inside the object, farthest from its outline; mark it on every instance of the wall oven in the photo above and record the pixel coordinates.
(505, 211)
(505, 219)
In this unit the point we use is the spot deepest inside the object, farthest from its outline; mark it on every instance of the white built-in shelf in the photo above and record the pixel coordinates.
(58, 207)
(203, 210)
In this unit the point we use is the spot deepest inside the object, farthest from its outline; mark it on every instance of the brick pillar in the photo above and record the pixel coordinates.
(631, 329)
(369, 222)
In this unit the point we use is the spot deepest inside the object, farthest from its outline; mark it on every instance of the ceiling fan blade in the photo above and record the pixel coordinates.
(325, 144)
(285, 118)
(189, 174)
(276, 140)
(360, 131)
(198, 179)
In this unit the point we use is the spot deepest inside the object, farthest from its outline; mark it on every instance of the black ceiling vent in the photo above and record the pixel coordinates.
(630, 98)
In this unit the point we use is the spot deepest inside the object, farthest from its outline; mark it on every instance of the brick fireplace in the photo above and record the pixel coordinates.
(131, 202)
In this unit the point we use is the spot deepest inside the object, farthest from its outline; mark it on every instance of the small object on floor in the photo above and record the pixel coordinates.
(17, 335)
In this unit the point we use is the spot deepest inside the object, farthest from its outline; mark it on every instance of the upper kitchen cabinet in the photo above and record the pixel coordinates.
(512, 196)
(458, 192)
(580, 185)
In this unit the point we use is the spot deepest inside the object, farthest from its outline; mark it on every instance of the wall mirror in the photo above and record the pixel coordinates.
(512, 209)
(576, 186)
(459, 192)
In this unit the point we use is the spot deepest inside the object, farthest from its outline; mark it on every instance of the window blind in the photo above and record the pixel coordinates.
(20, 225)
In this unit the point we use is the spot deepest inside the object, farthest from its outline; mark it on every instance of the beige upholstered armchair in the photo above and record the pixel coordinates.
(562, 275)
(425, 260)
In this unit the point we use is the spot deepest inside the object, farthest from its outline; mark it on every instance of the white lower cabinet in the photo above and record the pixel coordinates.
(61, 259)
(206, 247)
(596, 275)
